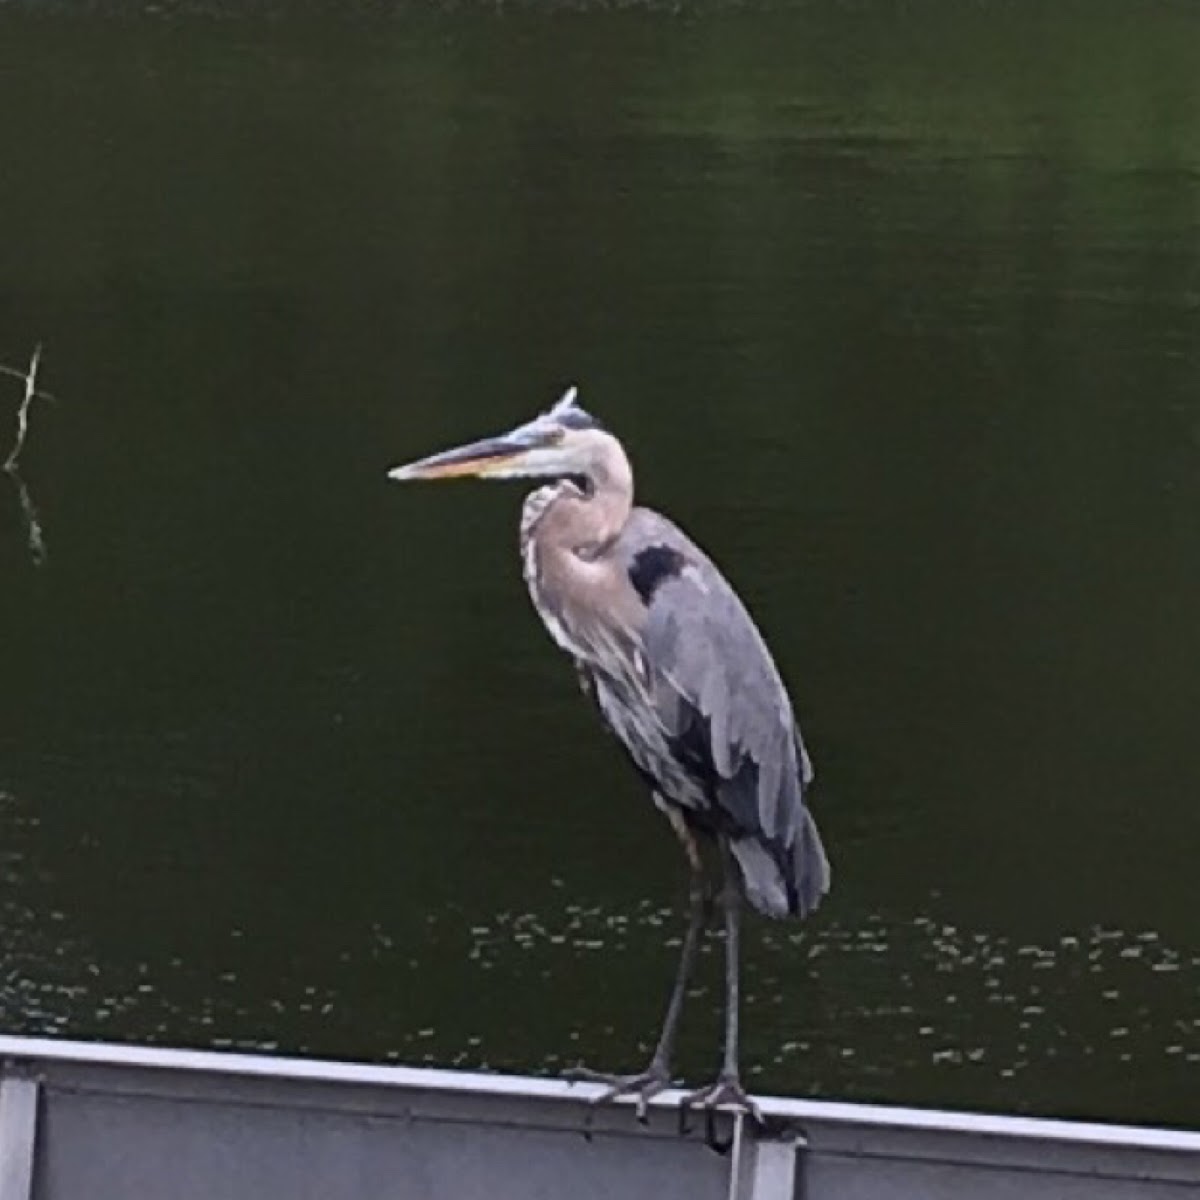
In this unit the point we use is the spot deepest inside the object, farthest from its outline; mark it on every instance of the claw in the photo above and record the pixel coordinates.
(645, 1085)
(726, 1092)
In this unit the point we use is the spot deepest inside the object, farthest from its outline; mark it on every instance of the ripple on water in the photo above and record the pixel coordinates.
(906, 1007)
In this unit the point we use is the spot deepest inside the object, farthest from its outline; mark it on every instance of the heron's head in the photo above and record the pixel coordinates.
(563, 442)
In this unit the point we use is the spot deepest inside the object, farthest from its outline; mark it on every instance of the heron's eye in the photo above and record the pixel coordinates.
(555, 435)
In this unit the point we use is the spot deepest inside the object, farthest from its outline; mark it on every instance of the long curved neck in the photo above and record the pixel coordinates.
(565, 533)
(584, 523)
(601, 513)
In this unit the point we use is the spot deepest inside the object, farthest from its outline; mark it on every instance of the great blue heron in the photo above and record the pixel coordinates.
(680, 675)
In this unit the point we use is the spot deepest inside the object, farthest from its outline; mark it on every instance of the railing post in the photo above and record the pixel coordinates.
(18, 1131)
(764, 1166)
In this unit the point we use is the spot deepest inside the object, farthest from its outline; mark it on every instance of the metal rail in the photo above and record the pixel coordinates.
(89, 1121)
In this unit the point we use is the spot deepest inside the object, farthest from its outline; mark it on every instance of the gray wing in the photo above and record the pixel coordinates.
(726, 713)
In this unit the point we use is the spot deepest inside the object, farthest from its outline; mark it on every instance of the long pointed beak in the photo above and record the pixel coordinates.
(476, 458)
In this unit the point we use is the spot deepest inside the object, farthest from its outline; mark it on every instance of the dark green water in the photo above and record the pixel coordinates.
(898, 312)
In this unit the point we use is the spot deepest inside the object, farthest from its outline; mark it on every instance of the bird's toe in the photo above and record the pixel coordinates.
(644, 1085)
(726, 1092)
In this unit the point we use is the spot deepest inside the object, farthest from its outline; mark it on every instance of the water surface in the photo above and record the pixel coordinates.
(897, 315)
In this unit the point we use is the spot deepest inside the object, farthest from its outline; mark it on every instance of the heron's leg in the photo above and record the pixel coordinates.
(657, 1075)
(728, 1087)
(697, 910)
(697, 916)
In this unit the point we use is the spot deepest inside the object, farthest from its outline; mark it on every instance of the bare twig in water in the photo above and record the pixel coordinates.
(33, 527)
(29, 378)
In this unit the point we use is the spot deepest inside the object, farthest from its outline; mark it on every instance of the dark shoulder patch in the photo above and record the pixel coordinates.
(652, 567)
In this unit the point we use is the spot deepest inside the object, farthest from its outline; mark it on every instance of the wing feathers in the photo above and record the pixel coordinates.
(726, 714)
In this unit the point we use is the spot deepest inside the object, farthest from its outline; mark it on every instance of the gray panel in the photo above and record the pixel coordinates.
(882, 1163)
(857, 1179)
(97, 1147)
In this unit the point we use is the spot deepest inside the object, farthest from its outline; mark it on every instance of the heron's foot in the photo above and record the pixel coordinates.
(645, 1085)
(726, 1092)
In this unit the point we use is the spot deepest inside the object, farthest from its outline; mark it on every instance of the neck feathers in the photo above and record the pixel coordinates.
(585, 519)
(567, 535)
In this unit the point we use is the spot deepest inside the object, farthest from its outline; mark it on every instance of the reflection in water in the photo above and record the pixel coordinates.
(967, 1012)
(40, 980)
(34, 536)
